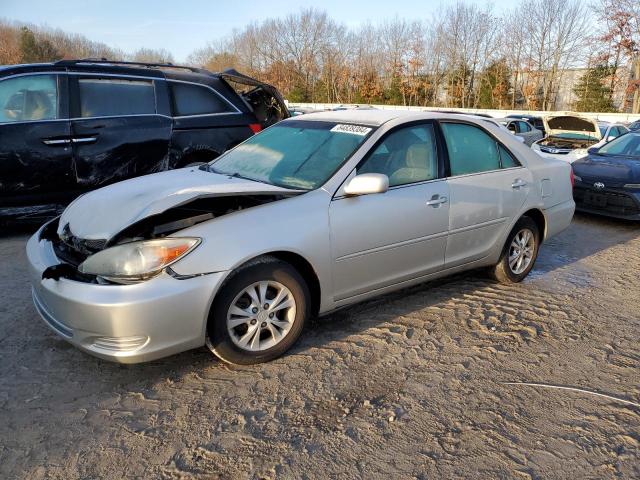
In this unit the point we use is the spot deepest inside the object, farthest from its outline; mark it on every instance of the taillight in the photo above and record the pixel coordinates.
(572, 178)
(255, 127)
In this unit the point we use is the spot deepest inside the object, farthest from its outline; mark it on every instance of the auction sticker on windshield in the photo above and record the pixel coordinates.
(352, 129)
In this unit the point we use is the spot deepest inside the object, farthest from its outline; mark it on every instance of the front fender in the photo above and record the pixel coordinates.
(298, 225)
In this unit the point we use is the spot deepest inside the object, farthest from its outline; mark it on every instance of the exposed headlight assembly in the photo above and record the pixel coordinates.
(137, 261)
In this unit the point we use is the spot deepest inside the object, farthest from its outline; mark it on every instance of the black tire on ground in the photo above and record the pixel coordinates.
(265, 268)
(502, 271)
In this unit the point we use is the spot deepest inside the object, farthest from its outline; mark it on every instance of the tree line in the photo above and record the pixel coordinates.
(465, 55)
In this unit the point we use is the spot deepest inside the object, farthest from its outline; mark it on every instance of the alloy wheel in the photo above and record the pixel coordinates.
(261, 315)
(521, 251)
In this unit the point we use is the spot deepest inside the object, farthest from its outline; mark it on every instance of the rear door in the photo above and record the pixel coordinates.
(117, 131)
(35, 150)
(383, 239)
(487, 188)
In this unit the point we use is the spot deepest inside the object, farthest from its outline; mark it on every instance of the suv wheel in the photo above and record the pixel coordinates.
(519, 253)
(259, 313)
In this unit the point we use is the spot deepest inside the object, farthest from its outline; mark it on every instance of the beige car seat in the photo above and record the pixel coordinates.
(419, 165)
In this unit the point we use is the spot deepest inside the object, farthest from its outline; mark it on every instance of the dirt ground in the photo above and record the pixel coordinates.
(411, 385)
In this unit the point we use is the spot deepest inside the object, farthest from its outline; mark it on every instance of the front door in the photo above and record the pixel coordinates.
(117, 132)
(383, 239)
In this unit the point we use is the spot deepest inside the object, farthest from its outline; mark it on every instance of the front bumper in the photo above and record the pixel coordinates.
(122, 323)
(616, 203)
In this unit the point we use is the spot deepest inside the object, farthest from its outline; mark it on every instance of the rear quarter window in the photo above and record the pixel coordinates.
(191, 99)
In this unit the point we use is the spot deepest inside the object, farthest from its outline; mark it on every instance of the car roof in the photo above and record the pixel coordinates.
(100, 66)
(375, 117)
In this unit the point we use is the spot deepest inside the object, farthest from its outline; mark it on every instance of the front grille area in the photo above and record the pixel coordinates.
(606, 201)
(555, 151)
(70, 250)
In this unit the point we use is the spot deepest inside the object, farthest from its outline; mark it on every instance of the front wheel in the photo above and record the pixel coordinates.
(259, 313)
(519, 253)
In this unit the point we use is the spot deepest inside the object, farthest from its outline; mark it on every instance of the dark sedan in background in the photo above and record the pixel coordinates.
(607, 181)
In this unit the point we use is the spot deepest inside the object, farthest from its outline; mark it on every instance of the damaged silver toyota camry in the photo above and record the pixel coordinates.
(313, 214)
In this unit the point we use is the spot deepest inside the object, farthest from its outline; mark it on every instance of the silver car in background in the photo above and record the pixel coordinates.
(313, 214)
(523, 129)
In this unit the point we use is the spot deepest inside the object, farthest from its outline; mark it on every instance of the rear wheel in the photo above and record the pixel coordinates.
(519, 253)
(259, 313)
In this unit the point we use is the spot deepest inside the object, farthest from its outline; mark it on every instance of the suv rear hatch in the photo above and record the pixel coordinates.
(263, 99)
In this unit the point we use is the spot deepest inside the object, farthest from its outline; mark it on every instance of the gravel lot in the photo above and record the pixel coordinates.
(407, 386)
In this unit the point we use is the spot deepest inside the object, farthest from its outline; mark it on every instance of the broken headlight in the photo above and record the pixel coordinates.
(137, 261)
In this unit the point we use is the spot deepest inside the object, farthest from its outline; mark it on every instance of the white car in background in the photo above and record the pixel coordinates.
(568, 137)
(610, 131)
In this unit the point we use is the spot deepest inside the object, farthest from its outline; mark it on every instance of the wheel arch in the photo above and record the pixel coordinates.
(198, 153)
(304, 268)
(541, 222)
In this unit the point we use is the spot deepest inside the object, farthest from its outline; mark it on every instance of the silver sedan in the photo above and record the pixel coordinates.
(313, 214)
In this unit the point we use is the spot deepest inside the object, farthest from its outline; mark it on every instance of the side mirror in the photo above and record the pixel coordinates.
(593, 150)
(366, 184)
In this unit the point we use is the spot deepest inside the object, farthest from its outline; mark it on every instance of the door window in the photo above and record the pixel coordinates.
(189, 99)
(407, 155)
(102, 97)
(471, 149)
(28, 98)
(524, 127)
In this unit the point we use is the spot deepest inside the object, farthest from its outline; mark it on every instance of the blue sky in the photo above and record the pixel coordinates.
(180, 26)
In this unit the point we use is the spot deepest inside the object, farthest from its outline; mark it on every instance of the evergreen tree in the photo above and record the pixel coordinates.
(593, 93)
(495, 83)
(35, 50)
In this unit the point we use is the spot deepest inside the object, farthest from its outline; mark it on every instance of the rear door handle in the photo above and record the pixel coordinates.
(84, 140)
(56, 141)
(518, 183)
(436, 200)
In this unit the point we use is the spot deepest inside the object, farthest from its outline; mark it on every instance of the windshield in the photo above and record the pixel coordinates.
(628, 145)
(294, 154)
(603, 130)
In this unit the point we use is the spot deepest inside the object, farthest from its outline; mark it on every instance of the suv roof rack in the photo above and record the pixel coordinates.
(104, 61)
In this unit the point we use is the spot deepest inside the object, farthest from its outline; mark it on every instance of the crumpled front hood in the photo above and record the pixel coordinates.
(571, 124)
(102, 213)
(610, 170)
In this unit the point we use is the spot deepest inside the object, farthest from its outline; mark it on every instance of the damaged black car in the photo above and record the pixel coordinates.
(75, 125)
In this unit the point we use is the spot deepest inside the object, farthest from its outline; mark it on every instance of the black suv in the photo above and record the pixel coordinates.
(71, 126)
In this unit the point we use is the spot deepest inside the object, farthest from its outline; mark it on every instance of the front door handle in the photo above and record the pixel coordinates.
(56, 141)
(518, 183)
(436, 200)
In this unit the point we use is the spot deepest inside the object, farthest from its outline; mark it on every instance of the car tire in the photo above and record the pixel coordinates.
(227, 340)
(508, 270)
